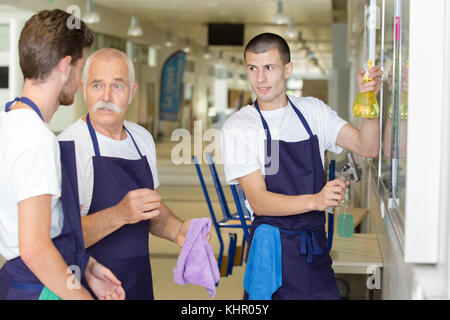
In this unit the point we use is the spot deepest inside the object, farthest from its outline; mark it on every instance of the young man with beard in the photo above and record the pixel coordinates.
(40, 228)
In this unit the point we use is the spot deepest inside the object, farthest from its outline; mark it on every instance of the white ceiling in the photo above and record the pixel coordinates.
(189, 18)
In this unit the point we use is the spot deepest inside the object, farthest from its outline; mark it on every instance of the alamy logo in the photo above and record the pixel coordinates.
(374, 280)
(73, 281)
(240, 147)
(74, 21)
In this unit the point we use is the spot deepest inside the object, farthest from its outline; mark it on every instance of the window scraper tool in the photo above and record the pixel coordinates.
(350, 169)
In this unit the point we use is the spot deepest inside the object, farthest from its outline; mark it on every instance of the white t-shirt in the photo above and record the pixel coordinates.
(30, 166)
(124, 149)
(243, 134)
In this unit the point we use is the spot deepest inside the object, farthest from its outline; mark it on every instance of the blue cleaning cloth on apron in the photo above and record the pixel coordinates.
(263, 273)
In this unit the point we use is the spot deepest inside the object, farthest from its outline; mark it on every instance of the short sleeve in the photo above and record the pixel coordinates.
(332, 124)
(241, 150)
(36, 170)
(85, 175)
(152, 162)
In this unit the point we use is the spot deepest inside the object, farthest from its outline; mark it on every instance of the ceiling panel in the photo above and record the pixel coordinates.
(189, 18)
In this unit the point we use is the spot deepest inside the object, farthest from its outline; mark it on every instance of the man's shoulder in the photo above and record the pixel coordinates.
(307, 102)
(75, 132)
(242, 119)
(311, 106)
(23, 129)
(137, 130)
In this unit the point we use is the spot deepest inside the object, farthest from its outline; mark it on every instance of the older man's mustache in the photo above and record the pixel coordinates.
(107, 105)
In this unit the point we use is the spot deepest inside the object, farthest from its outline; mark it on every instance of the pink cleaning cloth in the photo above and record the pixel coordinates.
(196, 263)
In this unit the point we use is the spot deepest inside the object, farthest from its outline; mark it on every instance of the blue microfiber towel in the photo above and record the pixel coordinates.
(263, 273)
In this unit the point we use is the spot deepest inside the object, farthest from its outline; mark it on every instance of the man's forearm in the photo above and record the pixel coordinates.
(98, 225)
(46, 263)
(166, 225)
(369, 137)
(275, 204)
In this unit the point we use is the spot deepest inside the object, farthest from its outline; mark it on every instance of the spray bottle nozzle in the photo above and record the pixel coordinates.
(369, 66)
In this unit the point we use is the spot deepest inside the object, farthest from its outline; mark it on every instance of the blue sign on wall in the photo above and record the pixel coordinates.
(172, 86)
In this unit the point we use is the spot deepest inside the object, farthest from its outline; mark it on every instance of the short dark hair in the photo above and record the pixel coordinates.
(267, 41)
(46, 39)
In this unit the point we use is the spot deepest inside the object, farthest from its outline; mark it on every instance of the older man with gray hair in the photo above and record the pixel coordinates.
(117, 176)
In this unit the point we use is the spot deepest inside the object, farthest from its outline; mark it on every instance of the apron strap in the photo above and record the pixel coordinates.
(95, 141)
(266, 127)
(135, 144)
(27, 286)
(309, 246)
(302, 118)
(26, 101)
(93, 136)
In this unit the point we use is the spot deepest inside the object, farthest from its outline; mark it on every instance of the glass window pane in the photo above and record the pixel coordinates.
(396, 111)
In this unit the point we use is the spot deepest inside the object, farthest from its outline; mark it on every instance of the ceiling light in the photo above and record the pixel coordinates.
(221, 59)
(169, 42)
(187, 47)
(206, 54)
(279, 17)
(91, 16)
(135, 30)
(291, 32)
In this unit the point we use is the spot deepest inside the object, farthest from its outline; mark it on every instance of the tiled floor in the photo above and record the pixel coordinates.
(181, 192)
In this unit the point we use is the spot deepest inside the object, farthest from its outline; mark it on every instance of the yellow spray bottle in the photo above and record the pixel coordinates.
(366, 104)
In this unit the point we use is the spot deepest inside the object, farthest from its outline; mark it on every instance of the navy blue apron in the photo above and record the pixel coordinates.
(125, 251)
(306, 264)
(17, 282)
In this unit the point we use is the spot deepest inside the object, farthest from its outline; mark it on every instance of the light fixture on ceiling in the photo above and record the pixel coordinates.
(135, 30)
(291, 32)
(169, 41)
(280, 17)
(221, 57)
(206, 54)
(187, 47)
(91, 16)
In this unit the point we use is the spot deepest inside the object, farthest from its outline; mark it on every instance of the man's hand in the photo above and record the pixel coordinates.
(404, 79)
(138, 205)
(182, 232)
(331, 195)
(103, 282)
(375, 85)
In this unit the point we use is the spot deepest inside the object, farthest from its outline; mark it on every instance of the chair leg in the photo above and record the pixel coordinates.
(243, 250)
(231, 252)
(220, 258)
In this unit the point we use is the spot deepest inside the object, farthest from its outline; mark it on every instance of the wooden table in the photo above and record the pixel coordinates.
(358, 216)
(358, 255)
